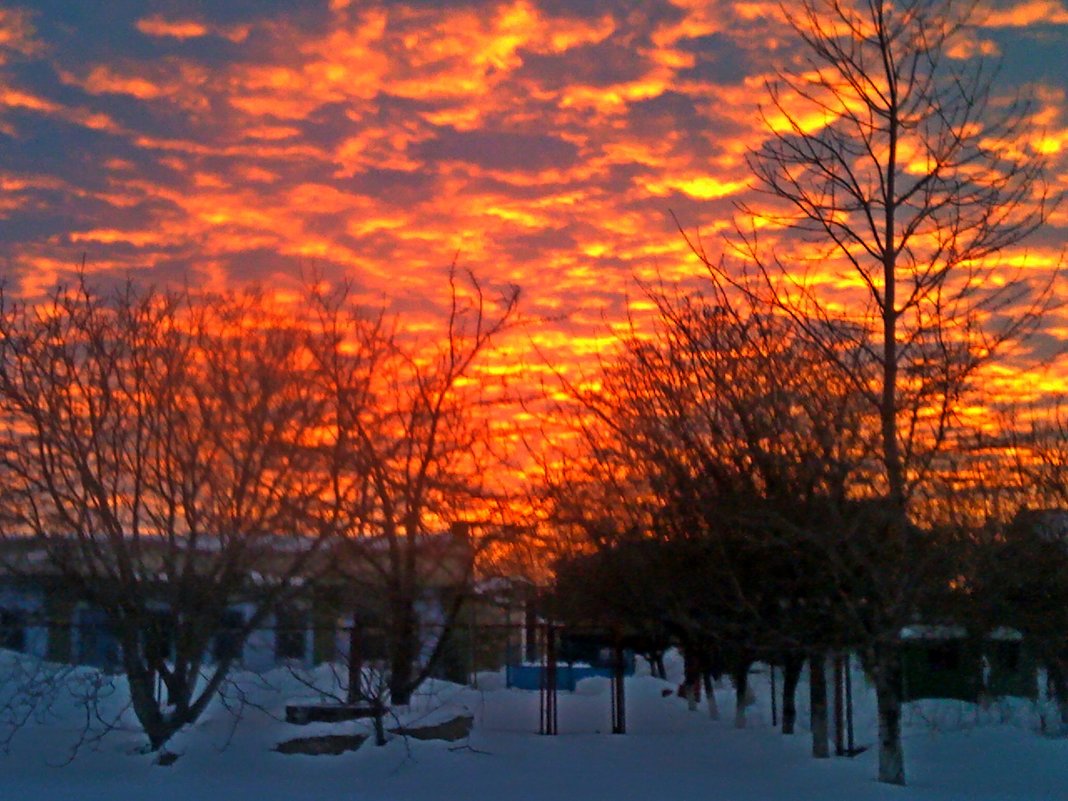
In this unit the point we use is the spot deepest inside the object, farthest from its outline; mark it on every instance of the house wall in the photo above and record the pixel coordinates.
(60, 629)
(261, 648)
(258, 651)
(68, 630)
(92, 640)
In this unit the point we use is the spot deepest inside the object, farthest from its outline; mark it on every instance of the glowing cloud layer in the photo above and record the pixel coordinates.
(548, 142)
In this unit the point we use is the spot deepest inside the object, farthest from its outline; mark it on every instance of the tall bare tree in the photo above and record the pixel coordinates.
(159, 451)
(894, 159)
(417, 456)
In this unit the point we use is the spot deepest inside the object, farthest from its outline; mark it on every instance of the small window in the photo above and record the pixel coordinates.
(1006, 655)
(97, 643)
(289, 631)
(12, 629)
(944, 656)
(228, 637)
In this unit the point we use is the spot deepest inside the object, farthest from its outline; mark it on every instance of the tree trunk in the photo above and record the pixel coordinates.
(887, 676)
(379, 726)
(791, 675)
(691, 679)
(158, 728)
(402, 654)
(656, 664)
(655, 659)
(710, 695)
(741, 693)
(1058, 682)
(817, 684)
(692, 689)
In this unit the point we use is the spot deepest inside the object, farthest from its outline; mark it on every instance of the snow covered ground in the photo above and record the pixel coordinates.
(953, 751)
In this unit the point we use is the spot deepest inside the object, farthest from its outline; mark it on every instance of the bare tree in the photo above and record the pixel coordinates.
(894, 160)
(728, 439)
(1041, 456)
(159, 451)
(415, 459)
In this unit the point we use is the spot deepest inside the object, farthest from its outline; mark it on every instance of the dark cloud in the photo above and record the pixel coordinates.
(530, 245)
(675, 115)
(720, 60)
(403, 188)
(500, 150)
(602, 64)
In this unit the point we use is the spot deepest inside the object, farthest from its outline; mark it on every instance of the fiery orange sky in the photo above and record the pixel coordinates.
(546, 141)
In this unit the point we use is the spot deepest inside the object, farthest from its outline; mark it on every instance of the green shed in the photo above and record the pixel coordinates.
(943, 662)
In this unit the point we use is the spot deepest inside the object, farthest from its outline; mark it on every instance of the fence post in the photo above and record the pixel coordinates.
(548, 684)
(839, 704)
(849, 706)
(355, 693)
(619, 701)
(774, 699)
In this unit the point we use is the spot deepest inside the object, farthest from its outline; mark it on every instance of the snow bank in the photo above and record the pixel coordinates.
(954, 750)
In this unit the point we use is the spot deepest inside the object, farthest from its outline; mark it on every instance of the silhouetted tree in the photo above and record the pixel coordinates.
(892, 166)
(415, 452)
(720, 441)
(157, 452)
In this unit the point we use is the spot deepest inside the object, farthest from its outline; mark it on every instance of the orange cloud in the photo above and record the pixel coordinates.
(1029, 12)
(16, 34)
(701, 187)
(94, 120)
(104, 80)
(182, 29)
(13, 98)
(374, 141)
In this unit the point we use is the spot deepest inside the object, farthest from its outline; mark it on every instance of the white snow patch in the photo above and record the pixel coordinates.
(953, 750)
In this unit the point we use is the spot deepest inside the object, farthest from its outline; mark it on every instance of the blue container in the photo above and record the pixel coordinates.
(529, 677)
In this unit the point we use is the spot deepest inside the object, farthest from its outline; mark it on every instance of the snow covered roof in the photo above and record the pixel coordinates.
(924, 632)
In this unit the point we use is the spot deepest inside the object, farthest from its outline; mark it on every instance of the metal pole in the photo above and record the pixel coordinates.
(849, 706)
(774, 701)
(355, 693)
(550, 681)
(839, 745)
(472, 654)
(619, 708)
(543, 687)
(547, 696)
